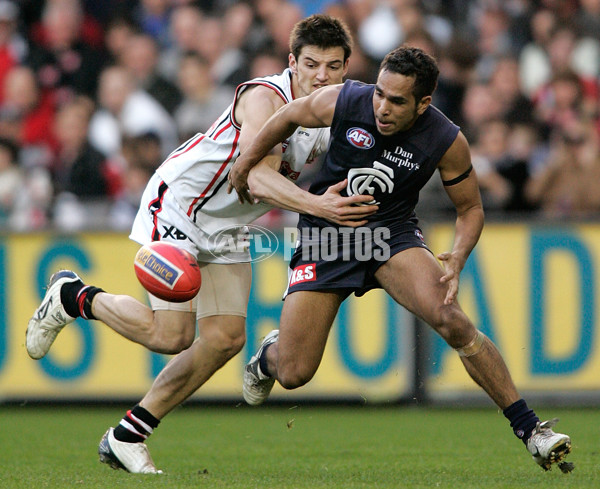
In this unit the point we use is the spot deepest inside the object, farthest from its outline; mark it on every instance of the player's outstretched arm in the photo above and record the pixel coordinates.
(462, 188)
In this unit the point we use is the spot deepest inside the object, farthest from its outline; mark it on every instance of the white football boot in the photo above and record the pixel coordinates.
(548, 447)
(132, 457)
(50, 317)
(257, 386)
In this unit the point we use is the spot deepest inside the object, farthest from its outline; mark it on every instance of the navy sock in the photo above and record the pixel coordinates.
(262, 362)
(136, 426)
(522, 419)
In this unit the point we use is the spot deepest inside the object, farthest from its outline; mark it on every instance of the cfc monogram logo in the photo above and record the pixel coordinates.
(369, 181)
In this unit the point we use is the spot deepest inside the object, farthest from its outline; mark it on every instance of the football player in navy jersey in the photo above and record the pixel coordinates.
(387, 140)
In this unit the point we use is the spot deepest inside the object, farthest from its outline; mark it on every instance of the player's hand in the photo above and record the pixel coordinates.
(345, 211)
(238, 180)
(452, 267)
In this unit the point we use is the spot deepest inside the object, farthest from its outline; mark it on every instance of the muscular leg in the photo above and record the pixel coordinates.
(159, 331)
(220, 338)
(412, 279)
(305, 322)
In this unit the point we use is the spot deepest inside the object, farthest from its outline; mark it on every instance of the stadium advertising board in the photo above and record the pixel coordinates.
(534, 291)
(368, 355)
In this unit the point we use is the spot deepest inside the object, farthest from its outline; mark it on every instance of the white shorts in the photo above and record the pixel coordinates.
(225, 286)
(225, 291)
(160, 218)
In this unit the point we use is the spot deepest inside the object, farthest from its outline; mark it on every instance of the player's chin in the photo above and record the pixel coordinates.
(386, 129)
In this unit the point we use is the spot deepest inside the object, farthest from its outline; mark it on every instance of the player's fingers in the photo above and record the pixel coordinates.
(357, 199)
(449, 275)
(451, 294)
(353, 210)
(248, 196)
(338, 187)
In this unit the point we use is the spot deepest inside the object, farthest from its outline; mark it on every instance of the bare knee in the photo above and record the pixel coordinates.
(227, 342)
(170, 334)
(453, 325)
(224, 334)
(171, 345)
(293, 376)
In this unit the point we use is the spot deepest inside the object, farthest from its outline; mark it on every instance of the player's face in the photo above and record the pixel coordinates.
(394, 104)
(316, 68)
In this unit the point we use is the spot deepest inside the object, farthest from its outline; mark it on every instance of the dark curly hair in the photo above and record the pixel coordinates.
(411, 61)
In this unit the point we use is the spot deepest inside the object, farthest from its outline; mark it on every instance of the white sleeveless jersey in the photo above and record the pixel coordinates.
(196, 172)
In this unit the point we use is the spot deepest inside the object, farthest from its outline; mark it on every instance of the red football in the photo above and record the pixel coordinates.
(168, 272)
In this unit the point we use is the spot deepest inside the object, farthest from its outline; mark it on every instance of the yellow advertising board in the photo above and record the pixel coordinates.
(534, 291)
(369, 353)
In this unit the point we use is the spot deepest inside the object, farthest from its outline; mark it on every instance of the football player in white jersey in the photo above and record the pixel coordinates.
(184, 203)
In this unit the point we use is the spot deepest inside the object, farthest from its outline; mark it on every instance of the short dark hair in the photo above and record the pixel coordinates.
(322, 31)
(411, 61)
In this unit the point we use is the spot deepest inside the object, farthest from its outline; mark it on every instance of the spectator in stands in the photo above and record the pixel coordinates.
(13, 47)
(567, 186)
(153, 18)
(184, 27)
(126, 110)
(533, 66)
(501, 156)
(587, 19)
(560, 48)
(564, 100)
(487, 150)
(118, 32)
(456, 61)
(64, 62)
(281, 25)
(25, 194)
(141, 58)
(11, 180)
(493, 40)
(226, 61)
(506, 88)
(84, 179)
(478, 107)
(267, 63)
(141, 155)
(79, 168)
(26, 114)
(204, 101)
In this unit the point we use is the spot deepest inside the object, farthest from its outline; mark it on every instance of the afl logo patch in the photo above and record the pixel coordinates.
(359, 138)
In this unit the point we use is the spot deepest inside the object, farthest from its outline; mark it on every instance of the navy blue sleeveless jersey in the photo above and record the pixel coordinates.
(392, 169)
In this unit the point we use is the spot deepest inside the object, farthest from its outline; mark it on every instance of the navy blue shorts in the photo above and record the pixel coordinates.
(347, 261)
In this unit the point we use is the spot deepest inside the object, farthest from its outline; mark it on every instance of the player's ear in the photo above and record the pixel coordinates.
(423, 104)
(292, 63)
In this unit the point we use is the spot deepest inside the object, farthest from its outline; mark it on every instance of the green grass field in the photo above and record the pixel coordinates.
(303, 447)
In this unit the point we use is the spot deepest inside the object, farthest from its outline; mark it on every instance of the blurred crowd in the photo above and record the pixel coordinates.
(94, 94)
